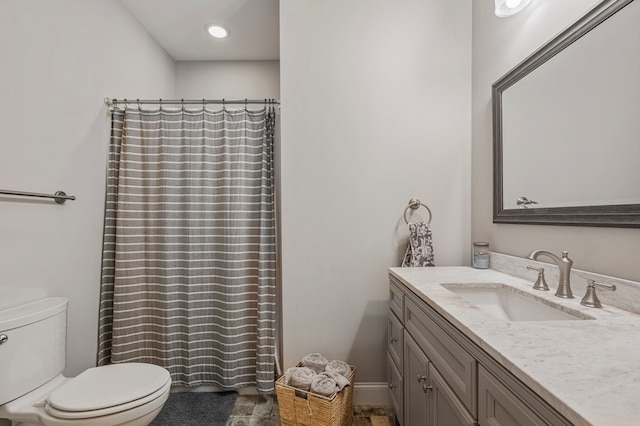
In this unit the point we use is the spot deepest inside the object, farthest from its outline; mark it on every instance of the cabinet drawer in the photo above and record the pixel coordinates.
(396, 386)
(497, 405)
(456, 365)
(396, 300)
(395, 336)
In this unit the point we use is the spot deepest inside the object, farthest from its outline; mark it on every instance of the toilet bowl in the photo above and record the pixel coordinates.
(37, 393)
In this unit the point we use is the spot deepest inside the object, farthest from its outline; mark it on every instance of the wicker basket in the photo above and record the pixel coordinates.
(302, 408)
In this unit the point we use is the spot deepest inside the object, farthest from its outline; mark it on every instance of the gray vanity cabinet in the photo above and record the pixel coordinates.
(423, 363)
(438, 377)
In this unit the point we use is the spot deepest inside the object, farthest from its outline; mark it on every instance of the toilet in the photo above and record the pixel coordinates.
(33, 390)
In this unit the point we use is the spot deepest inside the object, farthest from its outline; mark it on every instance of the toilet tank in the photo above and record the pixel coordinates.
(32, 345)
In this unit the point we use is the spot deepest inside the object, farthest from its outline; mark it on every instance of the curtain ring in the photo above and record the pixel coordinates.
(139, 106)
(245, 103)
(204, 104)
(224, 104)
(126, 104)
(182, 103)
(160, 104)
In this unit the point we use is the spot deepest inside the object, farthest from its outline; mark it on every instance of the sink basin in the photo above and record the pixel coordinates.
(512, 304)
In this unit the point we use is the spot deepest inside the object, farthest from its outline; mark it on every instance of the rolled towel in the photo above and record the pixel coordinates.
(315, 361)
(328, 384)
(337, 366)
(299, 377)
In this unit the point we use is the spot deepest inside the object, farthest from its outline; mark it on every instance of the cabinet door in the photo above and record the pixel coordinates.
(446, 409)
(396, 387)
(416, 370)
(498, 406)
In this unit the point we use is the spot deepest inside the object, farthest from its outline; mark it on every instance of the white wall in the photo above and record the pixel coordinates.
(368, 121)
(375, 110)
(228, 79)
(499, 45)
(59, 60)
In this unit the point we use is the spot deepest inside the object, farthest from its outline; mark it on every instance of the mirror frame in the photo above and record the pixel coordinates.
(620, 216)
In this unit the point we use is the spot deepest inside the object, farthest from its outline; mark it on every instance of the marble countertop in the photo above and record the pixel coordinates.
(588, 370)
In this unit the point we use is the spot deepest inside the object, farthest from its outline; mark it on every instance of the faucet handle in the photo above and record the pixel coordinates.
(540, 283)
(590, 298)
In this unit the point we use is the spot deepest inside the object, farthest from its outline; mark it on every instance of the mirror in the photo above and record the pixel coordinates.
(566, 125)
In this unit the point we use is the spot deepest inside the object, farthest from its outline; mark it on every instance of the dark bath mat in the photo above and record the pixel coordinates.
(196, 409)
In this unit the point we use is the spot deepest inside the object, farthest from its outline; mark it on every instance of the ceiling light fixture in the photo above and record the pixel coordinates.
(217, 31)
(506, 8)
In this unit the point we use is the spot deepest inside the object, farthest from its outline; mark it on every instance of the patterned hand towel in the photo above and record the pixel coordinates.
(420, 248)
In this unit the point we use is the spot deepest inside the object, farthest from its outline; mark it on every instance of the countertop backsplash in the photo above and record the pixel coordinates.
(626, 296)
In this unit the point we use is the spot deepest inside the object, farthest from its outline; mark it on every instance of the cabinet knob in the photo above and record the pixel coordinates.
(426, 387)
(392, 386)
(421, 378)
(394, 339)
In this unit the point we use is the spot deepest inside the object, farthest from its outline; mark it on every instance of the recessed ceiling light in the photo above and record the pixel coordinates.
(506, 8)
(217, 31)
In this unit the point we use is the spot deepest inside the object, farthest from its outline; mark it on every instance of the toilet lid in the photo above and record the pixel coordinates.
(108, 386)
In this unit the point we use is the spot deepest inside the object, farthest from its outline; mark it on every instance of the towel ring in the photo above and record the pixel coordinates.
(414, 204)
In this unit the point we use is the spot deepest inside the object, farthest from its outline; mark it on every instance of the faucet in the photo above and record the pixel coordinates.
(564, 267)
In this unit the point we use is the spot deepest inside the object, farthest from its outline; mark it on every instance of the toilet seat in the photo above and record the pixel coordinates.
(107, 390)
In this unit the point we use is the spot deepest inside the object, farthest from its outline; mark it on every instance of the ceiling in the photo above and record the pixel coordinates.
(179, 27)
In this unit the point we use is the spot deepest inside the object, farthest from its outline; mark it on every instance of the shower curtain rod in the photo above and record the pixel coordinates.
(113, 103)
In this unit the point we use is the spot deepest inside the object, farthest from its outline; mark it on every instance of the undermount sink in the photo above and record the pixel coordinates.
(512, 304)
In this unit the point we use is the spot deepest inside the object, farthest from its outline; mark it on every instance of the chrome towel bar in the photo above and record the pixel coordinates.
(60, 197)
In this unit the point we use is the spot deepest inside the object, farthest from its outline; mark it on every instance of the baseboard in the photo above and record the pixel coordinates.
(364, 393)
(371, 393)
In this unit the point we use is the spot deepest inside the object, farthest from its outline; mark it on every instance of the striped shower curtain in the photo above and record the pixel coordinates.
(189, 256)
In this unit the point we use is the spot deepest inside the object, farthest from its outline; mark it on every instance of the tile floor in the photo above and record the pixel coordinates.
(256, 410)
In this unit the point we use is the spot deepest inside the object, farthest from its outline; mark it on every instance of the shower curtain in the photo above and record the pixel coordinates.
(189, 256)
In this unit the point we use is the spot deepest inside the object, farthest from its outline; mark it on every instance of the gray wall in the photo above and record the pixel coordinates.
(375, 110)
(368, 121)
(59, 60)
(228, 80)
(498, 45)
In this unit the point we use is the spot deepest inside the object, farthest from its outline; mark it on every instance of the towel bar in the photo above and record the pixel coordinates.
(60, 197)
(414, 204)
